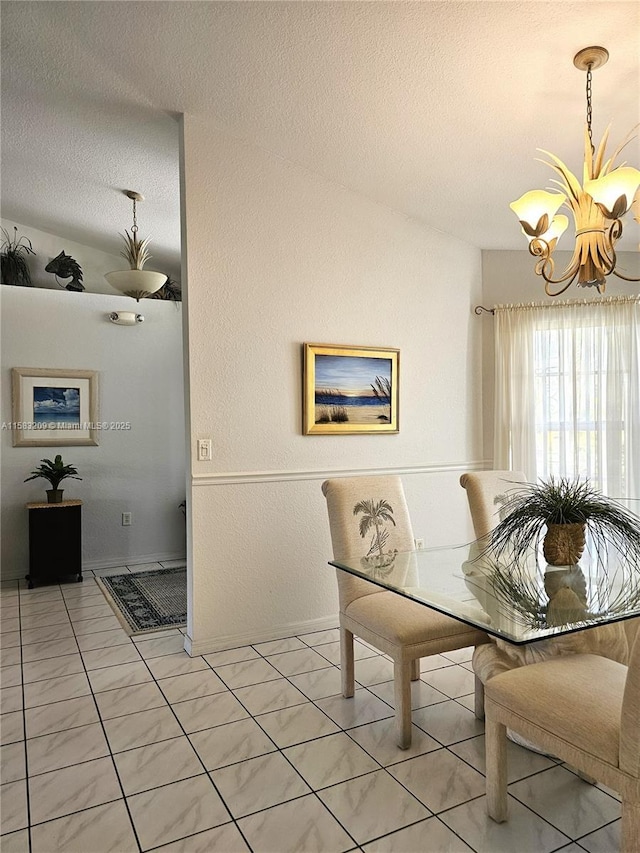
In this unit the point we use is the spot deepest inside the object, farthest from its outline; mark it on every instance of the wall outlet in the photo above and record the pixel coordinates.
(204, 450)
(126, 519)
(419, 544)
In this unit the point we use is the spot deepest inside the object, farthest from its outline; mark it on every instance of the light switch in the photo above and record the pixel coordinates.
(204, 450)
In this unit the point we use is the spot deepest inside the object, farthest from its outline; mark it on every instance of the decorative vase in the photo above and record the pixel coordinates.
(54, 496)
(563, 544)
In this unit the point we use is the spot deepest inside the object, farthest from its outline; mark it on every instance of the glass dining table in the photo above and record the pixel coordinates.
(519, 603)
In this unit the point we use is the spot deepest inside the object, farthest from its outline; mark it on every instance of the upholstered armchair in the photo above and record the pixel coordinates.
(369, 521)
(584, 710)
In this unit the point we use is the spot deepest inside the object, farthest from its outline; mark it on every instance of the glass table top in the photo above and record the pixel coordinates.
(522, 602)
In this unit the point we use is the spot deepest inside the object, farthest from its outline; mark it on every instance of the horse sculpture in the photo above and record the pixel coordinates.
(65, 266)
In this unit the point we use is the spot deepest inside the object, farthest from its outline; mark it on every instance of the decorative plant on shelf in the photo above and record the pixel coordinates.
(55, 472)
(13, 259)
(557, 512)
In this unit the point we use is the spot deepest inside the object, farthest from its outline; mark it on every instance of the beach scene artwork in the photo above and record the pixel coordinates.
(352, 389)
(59, 408)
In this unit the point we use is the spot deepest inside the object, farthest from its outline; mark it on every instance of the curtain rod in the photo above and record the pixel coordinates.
(605, 300)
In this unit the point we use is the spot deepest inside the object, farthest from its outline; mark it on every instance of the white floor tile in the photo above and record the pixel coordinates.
(566, 801)
(169, 645)
(363, 707)
(157, 764)
(11, 727)
(374, 670)
(524, 831)
(16, 842)
(258, 784)
(231, 656)
(297, 724)
(178, 664)
(71, 789)
(209, 711)
(320, 638)
(331, 651)
(225, 839)
(447, 722)
(46, 634)
(144, 727)
(231, 743)
(439, 779)
(603, 840)
(101, 829)
(274, 647)
(11, 676)
(61, 716)
(362, 806)
(42, 670)
(103, 640)
(129, 700)
(245, 673)
(270, 696)
(62, 749)
(93, 626)
(144, 567)
(192, 685)
(114, 677)
(110, 656)
(173, 564)
(174, 811)
(11, 656)
(379, 740)
(301, 825)
(13, 806)
(56, 690)
(42, 651)
(10, 699)
(520, 762)
(428, 835)
(330, 760)
(453, 681)
(421, 694)
(300, 660)
(318, 684)
(12, 762)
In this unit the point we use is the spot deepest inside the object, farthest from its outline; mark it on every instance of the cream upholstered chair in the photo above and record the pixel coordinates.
(368, 514)
(582, 709)
(487, 492)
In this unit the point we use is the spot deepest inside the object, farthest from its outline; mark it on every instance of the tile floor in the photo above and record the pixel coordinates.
(114, 744)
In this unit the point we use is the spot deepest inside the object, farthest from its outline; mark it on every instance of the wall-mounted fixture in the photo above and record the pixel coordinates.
(598, 205)
(125, 318)
(136, 281)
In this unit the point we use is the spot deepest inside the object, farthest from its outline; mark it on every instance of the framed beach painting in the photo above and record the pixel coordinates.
(350, 390)
(54, 408)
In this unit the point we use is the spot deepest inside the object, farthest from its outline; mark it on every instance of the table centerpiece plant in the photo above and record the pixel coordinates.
(557, 512)
(55, 472)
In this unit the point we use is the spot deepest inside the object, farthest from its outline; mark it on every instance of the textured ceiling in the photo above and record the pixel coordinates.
(434, 109)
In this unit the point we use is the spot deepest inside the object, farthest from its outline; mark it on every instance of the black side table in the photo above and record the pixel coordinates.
(55, 541)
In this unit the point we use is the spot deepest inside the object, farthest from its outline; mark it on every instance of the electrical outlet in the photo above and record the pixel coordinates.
(126, 519)
(419, 544)
(204, 450)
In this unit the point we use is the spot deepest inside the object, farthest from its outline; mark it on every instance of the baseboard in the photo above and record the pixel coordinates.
(232, 641)
(108, 562)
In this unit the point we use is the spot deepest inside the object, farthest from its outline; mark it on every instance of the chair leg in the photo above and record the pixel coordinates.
(630, 834)
(496, 771)
(346, 663)
(479, 699)
(415, 669)
(402, 697)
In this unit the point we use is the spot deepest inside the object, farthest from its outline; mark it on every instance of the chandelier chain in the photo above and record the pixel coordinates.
(134, 227)
(589, 111)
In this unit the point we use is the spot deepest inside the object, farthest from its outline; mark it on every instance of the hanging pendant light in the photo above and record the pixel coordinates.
(598, 205)
(136, 281)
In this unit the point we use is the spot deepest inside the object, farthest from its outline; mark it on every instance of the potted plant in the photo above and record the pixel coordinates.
(558, 512)
(55, 472)
(13, 259)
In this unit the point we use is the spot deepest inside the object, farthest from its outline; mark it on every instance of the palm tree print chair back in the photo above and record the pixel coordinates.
(369, 522)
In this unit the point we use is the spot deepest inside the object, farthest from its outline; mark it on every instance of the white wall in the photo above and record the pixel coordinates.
(509, 278)
(140, 471)
(276, 256)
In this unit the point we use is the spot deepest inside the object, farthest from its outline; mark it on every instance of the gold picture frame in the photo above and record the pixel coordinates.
(350, 390)
(54, 407)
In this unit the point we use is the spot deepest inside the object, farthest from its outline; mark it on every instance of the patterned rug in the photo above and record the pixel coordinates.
(148, 601)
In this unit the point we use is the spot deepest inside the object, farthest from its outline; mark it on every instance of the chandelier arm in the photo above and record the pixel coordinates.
(625, 277)
(547, 282)
(540, 249)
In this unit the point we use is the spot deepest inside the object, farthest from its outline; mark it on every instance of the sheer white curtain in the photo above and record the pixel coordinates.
(568, 392)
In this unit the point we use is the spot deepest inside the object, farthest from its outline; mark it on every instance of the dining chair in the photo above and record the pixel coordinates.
(582, 709)
(487, 492)
(369, 521)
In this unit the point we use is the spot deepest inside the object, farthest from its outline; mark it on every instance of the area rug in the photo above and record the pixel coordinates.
(148, 601)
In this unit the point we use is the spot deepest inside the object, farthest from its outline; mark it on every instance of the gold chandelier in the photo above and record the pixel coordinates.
(598, 205)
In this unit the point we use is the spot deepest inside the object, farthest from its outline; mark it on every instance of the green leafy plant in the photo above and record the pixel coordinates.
(13, 259)
(55, 472)
(530, 509)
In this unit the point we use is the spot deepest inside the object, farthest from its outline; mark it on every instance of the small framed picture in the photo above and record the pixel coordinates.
(54, 407)
(350, 390)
